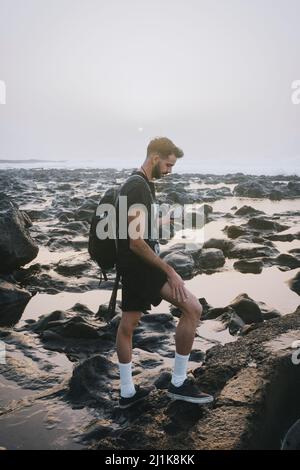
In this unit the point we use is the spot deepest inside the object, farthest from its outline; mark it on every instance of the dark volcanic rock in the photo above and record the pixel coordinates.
(183, 263)
(247, 210)
(209, 258)
(16, 245)
(246, 309)
(283, 237)
(92, 379)
(284, 259)
(219, 243)
(245, 266)
(295, 283)
(233, 231)
(251, 250)
(13, 301)
(261, 223)
(250, 189)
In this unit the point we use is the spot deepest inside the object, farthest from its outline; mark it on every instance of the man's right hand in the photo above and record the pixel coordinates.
(179, 291)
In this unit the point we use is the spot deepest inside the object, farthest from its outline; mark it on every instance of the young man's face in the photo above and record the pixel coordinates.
(163, 166)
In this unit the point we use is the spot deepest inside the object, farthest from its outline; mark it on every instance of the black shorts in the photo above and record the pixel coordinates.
(141, 287)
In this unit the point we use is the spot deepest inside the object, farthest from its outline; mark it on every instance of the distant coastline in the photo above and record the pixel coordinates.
(202, 167)
(31, 160)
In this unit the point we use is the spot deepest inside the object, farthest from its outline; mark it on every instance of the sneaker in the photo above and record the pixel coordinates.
(140, 394)
(190, 392)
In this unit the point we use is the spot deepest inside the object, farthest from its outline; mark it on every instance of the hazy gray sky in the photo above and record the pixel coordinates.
(95, 79)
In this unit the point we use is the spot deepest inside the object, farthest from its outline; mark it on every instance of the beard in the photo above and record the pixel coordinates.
(156, 173)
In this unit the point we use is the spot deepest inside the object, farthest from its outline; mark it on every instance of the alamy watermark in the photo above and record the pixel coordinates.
(295, 97)
(296, 353)
(2, 92)
(166, 222)
(2, 353)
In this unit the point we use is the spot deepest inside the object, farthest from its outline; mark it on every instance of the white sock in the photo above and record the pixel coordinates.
(127, 386)
(180, 369)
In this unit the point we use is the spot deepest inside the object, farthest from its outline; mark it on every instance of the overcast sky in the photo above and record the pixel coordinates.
(97, 79)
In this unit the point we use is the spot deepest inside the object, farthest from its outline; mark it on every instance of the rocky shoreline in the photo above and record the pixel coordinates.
(64, 362)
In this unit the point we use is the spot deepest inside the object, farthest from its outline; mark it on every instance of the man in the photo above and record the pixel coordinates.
(147, 279)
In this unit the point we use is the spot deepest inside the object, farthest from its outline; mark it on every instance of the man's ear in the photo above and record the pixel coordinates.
(155, 158)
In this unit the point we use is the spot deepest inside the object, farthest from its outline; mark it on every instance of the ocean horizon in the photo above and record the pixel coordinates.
(186, 168)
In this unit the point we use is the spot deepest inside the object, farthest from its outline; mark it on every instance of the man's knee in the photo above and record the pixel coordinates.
(128, 323)
(193, 310)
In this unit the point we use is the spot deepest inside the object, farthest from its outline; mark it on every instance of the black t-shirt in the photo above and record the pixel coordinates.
(138, 191)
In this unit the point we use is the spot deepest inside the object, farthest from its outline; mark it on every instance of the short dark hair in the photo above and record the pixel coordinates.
(164, 147)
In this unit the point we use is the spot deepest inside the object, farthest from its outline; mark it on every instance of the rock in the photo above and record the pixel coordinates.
(233, 231)
(214, 313)
(13, 301)
(293, 188)
(45, 320)
(250, 189)
(219, 243)
(27, 219)
(37, 214)
(84, 214)
(209, 258)
(246, 309)
(64, 186)
(261, 223)
(291, 440)
(92, 379)
(183, 263)
(114, 322)
(285, 259)
(163, 381)
(269, 315)
(183, 197)
(247, 210)
(79, 329)
(235, 324)
(208, 209)
(104, 313)
(276, 195)
(251, 250)
(282, 237)
(78, 227)
(295, 283)
(245, 266)
(160, 318)
(197, 355)
(73, 267)
(63, 218)
(17, 248)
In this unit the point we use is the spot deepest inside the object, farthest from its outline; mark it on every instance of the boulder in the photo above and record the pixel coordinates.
(261, 223)
(245, 266)
(209, 258)
(13, 301)
(183, 263)
(247, 210)
(17, 248)
(295, 283)
(247, 309)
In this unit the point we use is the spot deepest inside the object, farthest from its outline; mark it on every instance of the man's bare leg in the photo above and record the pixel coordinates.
(126, 328)
(127, 325)
(180, 388)
(129, 394)
(189, 320)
